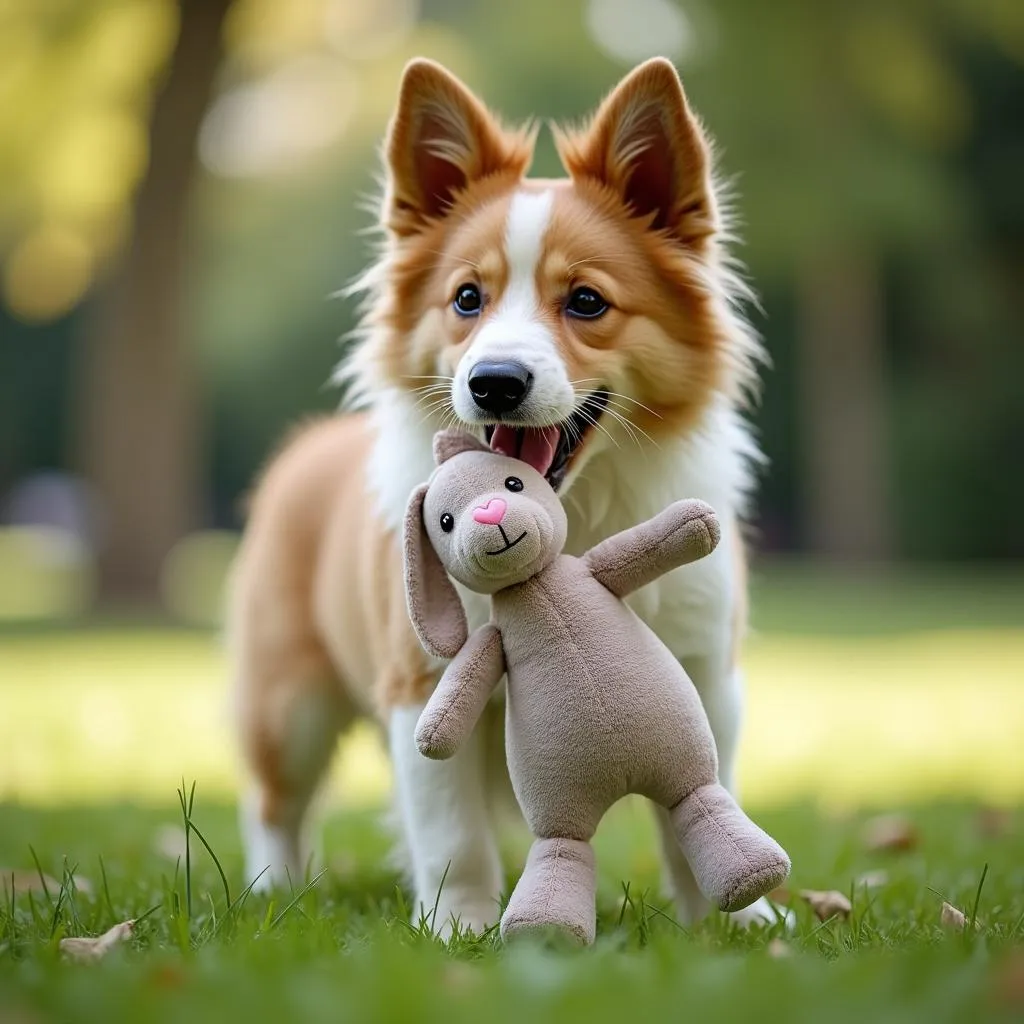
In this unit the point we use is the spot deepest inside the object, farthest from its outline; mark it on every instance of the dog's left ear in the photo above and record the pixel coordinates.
(434, 606)
(448, 443)
(646, 144)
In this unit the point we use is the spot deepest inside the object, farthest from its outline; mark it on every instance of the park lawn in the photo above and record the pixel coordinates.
(863, 697)
(342, 951)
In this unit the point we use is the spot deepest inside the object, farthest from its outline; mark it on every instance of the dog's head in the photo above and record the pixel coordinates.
(486, 520)
(553, 317)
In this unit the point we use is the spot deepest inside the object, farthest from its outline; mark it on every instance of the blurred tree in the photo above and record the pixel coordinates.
(843, 118)
(879, 148)
(140, 415)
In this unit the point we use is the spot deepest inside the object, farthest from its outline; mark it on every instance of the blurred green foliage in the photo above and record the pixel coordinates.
(890, 130)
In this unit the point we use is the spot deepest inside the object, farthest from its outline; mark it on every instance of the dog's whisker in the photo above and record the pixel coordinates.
(623, 408)
(432, 412)
(632, 428)
(574, 384)
(435, 404)
(598, 426)
(627, 398)
(438, 397)
(432, 389)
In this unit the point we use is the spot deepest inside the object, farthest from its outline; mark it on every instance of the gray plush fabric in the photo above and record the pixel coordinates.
(557, 889)
(462, 694)
(597, 707)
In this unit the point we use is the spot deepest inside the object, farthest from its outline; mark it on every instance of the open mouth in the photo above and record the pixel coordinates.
(550, 450)
(508, 543)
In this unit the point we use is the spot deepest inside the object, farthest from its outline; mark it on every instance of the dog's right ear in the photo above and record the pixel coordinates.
(448, 443)
(434, 607)
(441, 139)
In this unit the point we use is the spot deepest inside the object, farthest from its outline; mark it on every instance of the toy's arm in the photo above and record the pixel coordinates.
(684, 532)
(461, 695)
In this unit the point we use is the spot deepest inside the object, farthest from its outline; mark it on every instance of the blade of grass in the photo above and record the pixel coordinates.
(214, 858)
(626, 902)
(188, 856)
(42, 874)
(239, 902)
(437, 898)
(106, 888)
(298, 896)
(977, 898)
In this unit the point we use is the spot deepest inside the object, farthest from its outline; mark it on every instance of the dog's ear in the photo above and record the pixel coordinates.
(448, 443)
(442, 138)
(434, 607)
(646, 145)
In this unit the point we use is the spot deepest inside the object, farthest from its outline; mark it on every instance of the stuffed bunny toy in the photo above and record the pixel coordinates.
(596, 706)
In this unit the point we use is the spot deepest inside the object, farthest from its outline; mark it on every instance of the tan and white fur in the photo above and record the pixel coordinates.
(319, 628)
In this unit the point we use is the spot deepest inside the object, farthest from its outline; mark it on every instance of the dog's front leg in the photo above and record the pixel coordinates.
(720, 685)
(455, 867)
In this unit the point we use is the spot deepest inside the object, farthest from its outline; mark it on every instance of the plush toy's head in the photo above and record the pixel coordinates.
(487, 520)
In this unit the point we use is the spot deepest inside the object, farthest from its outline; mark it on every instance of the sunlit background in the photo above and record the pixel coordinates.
(183, 187)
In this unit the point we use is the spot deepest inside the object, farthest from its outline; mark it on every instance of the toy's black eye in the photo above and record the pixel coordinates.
(467, 300)
(513, 483)
(586, 304)
(447, 522)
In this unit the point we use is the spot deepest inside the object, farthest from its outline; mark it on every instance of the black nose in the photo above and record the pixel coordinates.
(499, 387)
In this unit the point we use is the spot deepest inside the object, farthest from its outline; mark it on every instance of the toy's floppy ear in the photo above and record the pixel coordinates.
(453, 441)
(434, 607)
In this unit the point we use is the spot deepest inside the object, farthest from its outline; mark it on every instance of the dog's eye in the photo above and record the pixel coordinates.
(447, 522)
(467, 300)
(586, 304)
(513, 483)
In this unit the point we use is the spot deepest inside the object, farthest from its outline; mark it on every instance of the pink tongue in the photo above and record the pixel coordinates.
(538, 446)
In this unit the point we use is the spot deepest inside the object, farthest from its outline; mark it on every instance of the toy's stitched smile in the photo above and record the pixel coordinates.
(508, 543)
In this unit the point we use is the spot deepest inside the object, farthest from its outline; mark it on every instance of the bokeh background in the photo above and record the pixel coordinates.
(183, 188)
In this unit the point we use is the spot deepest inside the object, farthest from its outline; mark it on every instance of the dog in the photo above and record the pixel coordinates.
(590, 326)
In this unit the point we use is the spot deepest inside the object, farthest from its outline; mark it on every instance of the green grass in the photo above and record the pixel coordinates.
(343, 951)
(895, 692)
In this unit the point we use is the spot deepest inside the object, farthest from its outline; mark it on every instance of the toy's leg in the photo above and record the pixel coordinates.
(557, 889)
(733, 861)
(447, 829)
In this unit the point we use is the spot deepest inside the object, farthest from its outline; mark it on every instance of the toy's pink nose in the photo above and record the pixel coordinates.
(492, 513)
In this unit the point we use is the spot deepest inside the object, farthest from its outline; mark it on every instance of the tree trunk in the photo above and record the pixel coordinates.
(845, 496)
(139, 411)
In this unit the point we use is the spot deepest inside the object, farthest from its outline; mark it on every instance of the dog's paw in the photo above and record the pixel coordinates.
(764, 914)
(458, 915)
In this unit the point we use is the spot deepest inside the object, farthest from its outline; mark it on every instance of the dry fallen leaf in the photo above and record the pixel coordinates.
(828, 903)
(890, 832)
(873, 879)
(778, 949)
(993, 822)
(86, 950)
(951, 918)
